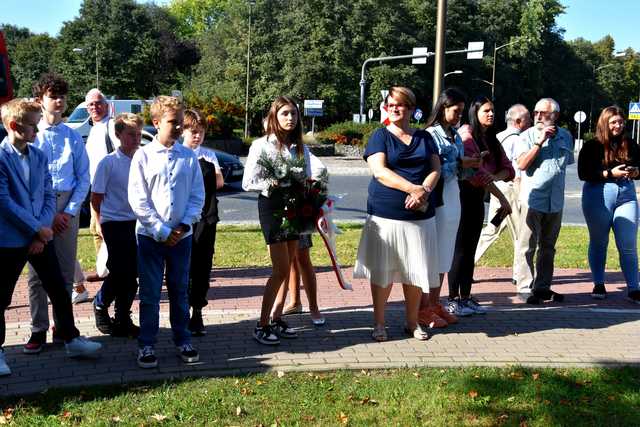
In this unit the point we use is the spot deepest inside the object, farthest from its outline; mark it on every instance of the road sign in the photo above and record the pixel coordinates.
(359, 118)
(580, 117)
(420, 51)
(634, 111)
(384, 94)
(370, 113)
(417, 114)
(479, 46)
(313, 107)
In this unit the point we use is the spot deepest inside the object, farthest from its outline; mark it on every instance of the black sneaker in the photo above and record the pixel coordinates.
(56, 338)
(147, 357)
(547, 295)
(124, 328)
(196, 325)
(188, 353)
(103, 321)
(35, 343)
(599, 291)
(283, 330)
(634, 297)
(264, 335)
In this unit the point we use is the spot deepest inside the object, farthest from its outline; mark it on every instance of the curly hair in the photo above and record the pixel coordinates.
(50, 83)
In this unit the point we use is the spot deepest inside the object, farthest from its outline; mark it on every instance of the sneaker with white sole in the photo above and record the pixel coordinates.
(187, 353)
(147, 357)
(78, 297)
(455, 307)
(599, 291)
(264, 335)
(472, 304)
(82, 347)
(4, 368)
(283, 330)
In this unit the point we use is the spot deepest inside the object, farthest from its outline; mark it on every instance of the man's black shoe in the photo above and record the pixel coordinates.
(196, 325)
(103, 321)
(125, 328)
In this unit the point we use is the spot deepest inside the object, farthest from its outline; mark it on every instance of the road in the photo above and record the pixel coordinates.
(238, 207)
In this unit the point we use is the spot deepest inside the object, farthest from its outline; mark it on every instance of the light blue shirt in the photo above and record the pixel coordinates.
(68, 162)
(450, 152)
(542, 185)
(111, 179)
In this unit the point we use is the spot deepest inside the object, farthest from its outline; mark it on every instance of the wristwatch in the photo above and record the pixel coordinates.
(538, 144)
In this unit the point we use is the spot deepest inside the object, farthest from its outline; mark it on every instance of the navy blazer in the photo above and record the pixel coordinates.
(25, 207)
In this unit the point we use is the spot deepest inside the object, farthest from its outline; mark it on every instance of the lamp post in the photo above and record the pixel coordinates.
(246, 97)
(595, 82)
(484, 81)
(80, 50)
(453, 72)
(493, 73)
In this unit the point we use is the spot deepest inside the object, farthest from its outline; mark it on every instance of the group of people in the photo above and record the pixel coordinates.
(154, 208)
(425, 208)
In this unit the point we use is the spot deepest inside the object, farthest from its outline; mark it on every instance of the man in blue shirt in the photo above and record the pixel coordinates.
(543, 153)
(69, 169)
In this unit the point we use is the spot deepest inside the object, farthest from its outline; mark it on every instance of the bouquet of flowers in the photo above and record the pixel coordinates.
(302, 197)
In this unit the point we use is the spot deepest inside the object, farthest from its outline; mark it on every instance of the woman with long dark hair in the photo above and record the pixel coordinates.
(479, 138)
(441, 124)
(283, 138)
(607, 164)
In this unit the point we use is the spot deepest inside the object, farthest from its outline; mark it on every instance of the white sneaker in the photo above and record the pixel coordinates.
(78, 297)
(4, 368)
(455, 307)
(82, 347)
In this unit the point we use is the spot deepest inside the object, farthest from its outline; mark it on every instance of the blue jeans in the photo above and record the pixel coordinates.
(152, 258)
(609, 205)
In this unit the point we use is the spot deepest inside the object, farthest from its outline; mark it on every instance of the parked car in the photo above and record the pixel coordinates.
(232, 167)
(79, 118)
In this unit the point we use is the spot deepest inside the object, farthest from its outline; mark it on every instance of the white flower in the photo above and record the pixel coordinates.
(296, 169)
(281, 172)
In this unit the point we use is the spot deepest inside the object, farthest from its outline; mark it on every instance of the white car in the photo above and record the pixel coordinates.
(79, 118)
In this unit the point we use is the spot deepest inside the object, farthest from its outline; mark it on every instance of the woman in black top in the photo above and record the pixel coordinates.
(607, 164)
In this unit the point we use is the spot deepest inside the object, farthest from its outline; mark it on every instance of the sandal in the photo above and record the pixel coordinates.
(418, 333)
(292, 309)
(379, 333)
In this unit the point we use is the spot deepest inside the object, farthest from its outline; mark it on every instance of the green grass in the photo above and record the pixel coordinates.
(242, 246)
(404, 397)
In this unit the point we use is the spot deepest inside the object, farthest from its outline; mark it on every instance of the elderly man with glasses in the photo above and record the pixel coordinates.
(543, 153)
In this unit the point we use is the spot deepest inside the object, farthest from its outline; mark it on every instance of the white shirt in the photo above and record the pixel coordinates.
(207, 155)
(112, 180)
(509, 138)
(251, 180)
(24, 162)
(96, 142)
(165, 189)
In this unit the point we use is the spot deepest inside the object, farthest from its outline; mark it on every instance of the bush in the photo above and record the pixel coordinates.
(222, 116)
(348, 133)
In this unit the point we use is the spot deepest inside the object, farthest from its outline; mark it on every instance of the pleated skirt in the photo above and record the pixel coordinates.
(447, 222)
(398, 251)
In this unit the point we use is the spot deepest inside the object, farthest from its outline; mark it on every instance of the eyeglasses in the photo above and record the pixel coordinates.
(542, 113)
(396, 106)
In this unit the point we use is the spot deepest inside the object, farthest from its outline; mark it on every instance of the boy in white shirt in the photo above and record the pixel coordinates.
(166, 193)
(116, 224)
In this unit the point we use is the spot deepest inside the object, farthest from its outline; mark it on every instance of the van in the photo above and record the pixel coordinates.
(79, 118)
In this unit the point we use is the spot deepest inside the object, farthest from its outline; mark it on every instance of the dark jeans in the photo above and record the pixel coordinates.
(202, 250)
(121, 284)
(471, 220)
(46, 266)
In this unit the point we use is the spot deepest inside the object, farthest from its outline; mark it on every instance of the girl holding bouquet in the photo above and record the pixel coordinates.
(268, 171)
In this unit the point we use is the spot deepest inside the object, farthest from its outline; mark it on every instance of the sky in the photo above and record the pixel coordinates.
(590, 19)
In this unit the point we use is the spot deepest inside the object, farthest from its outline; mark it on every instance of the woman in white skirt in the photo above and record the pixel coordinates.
(398, 242)
(445, 115)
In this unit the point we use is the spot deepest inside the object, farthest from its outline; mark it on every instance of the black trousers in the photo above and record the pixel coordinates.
(471, 221)
(202, 250)
(48, 269)
(121, 284)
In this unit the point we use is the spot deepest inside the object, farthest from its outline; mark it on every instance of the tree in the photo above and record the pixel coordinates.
(31, 58)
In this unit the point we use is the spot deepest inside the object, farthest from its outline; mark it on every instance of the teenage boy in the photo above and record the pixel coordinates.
(204, 232)
(116, 224)
(166, 194)
(69, 169)
(27, 210)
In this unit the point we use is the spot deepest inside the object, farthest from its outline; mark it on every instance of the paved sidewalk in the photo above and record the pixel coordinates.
(579, 332)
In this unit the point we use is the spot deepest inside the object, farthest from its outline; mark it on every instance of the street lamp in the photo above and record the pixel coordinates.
(595, 82)
(493, 74)
(246, 97)
(80, 50)
(484, 81)
(453, 72)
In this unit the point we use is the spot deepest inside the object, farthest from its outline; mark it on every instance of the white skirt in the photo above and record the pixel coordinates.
(398, 251)
(447, 222)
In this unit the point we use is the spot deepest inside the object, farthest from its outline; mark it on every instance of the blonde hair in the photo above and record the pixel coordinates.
(162, 104)
(127, 120)
(404, 95)
(194, 119)
(17, 109)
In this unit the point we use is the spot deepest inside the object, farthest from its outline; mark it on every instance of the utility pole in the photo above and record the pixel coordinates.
(246, 97)
(438, 69)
